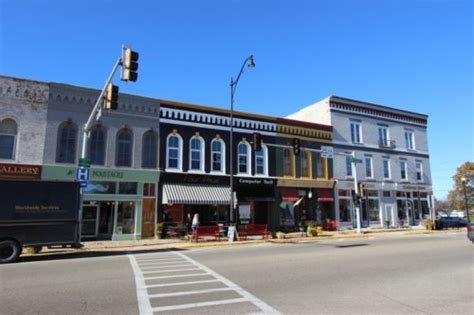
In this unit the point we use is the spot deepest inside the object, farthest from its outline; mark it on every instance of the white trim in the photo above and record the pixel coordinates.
(202, 155)
(389, 169)
(15, 148)
(180, 153)
(401, 169)
(371, 167)
(249, 159)
(222, 171)
(370, 146)
(421, 171)
(132, 149)
(361, 139)
(265, 161)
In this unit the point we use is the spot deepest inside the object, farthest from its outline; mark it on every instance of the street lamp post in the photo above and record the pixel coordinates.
(233, 86)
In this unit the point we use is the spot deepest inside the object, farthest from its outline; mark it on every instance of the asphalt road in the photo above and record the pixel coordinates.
(403, 275)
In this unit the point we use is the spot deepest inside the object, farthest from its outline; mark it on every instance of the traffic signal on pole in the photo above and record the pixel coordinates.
(130, 65)
(111, 97)
(296, 146)
(257, 141)
(362, 189)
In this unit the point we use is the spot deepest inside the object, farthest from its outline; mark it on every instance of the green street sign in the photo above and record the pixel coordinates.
(354, 160)
(84, 162)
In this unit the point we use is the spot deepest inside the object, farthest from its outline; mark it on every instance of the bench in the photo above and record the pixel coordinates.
(254, 229)
(207, 230)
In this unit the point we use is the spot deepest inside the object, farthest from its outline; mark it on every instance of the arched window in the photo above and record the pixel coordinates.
(124, 147)
(8, 134)
(261, 161)
(217, 156)
(174, 152)
(67, 143)
(243, 150)
(196, 154)
(97, 141)
(287, 162)
(305, 160)
(149, 149)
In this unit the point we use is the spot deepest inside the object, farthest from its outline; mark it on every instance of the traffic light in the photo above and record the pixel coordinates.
(111, 97)
(296, 146)
(130, 65)
(362, 189)
(257, 141)
(355, 197)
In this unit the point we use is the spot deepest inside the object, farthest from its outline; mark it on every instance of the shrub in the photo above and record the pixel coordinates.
(160, 227)
(312, 230)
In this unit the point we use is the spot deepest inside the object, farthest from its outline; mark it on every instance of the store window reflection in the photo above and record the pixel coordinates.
(125, 218)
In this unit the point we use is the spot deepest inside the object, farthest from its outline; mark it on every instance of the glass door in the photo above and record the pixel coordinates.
(90, 216)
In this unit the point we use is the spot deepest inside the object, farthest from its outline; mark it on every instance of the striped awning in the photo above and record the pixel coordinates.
(194, 194)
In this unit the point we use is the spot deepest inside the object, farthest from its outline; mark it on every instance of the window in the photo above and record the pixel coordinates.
(410, 140)
(261, 161)
(125, 217)
(403, 170)
(127, 188)
(387, 193)
(124, 145)
(196, 154)
(368, 167)
(419, 171)
(97, 141)
(243, 158)
(304, 162)
(149, 149)
(349, 166)
(383, 136)
(8, 133)
(67, 142)
(386, 168)
(217, 156)
(174, 145)
(356, 134)
(287, 162)
(320, 167)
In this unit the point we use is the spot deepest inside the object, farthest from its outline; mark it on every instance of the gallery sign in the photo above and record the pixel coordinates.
(23, 171)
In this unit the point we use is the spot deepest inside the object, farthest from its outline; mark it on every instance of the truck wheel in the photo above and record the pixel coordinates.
(9, 251)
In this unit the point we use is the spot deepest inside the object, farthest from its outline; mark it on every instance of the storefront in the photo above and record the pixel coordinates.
(300, 202)
(118, 204)
(182, 194)
(20, 171)
(413, 204)
(256, 198)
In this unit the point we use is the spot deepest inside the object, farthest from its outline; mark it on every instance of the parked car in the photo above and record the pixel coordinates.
(450, 222)
(470, 232)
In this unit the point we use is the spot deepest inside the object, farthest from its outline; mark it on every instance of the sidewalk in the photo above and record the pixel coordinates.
(163, 244)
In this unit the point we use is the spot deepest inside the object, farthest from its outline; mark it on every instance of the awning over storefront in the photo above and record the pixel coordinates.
(289, 194)
(325, 195)
(194, 194)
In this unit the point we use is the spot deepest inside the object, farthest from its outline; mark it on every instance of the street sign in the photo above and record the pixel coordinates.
(83, 184)
(83, 162)
(327, 152)
(354, 160)
(82, 174)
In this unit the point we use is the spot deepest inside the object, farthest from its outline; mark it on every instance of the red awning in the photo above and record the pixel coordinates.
(289, 194)
(325, 195)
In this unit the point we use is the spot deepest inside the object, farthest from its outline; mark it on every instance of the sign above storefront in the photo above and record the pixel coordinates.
(22, 171)
(254, 181)
(194, 179)
(54, 172)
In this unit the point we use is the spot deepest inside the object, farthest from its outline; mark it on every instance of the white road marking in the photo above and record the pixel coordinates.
(142, 274)
(144, 305)
(201, 304)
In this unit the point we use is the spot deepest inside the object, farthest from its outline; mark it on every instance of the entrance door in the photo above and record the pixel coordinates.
(148, 217)
(90, 218)
(388, 215)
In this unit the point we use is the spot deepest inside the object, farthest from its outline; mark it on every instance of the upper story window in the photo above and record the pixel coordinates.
(368, 168)
(356, 132)
(217, 156)
(320, 166)
(403, 170)
(305, 160)
(8, 137)
(287, 162)
(124, 147)
(97, 143)
(67, 143)
(419, 171)
(386, 168)
(261, 161)
(410, 140)
(196, 154)
(150, 149)
(174, 152)
(383, 136)
(243, 150)
(349, 166)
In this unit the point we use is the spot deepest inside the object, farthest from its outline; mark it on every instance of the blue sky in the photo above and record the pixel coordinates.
(414, 55)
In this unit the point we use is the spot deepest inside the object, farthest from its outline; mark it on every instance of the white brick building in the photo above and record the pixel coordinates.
(395, 170)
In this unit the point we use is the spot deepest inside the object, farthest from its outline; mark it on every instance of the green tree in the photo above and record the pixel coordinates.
(456, 195)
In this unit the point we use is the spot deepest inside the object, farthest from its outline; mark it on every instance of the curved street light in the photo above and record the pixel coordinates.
(233, 86)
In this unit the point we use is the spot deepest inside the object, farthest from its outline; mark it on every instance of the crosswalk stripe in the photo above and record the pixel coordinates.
(177, 276)
(201, 304)
(162, 295)
(180, 283)
(170, 270)
(146, 268)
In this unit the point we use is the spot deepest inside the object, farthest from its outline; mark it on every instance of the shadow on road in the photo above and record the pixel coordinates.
(68, 254)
